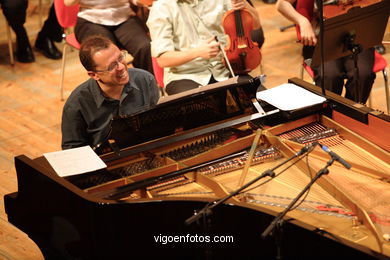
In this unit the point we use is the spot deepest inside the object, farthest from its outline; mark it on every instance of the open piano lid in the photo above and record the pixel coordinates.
(183, 111)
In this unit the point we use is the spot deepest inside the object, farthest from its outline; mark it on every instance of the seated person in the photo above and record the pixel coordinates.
(15, 13)
(115, 20)
(183, 40)
(112, 90)
(257, 34)
(335, 71)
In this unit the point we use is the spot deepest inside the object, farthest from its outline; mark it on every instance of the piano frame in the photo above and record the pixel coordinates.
(67, 222)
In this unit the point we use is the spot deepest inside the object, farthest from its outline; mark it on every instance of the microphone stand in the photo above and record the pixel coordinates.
(278, 220)
(206, 211)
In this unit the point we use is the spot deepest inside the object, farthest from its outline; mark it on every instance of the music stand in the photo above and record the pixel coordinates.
(358, 29)
(359, 26)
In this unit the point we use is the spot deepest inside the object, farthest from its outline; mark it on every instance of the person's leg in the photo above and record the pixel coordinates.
(258, 37)
(132, 35)
(333, 71)
(51, 31)
(361, 91)
(178, 86)
(334, 76)
(51, 28)
(15, 13)
(85, 29)
(244, 77)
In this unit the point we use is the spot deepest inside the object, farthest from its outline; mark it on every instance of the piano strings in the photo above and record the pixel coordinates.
(365, 188)
(203, 144)
(238, 163)
(217, 169)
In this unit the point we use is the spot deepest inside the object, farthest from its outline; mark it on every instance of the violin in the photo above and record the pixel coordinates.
(242, 53)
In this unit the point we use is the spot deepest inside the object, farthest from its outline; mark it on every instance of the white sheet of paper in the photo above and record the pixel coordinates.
(289, 97)
(74, 161)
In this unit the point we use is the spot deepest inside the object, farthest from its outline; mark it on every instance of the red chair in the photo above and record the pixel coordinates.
(67, 18)
(380, 64)
(158, 72)
(159, 75)
(305, 8)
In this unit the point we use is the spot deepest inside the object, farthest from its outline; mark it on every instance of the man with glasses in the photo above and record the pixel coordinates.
(112, 90)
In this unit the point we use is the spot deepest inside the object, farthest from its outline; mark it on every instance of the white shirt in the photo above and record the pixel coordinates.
(177, 25)
(105, 12)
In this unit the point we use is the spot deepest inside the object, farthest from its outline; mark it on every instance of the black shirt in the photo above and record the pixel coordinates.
(87, 113)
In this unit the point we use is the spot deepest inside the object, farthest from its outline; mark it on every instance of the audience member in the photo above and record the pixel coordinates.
(335, 71)
(115, 20)
(15, 13)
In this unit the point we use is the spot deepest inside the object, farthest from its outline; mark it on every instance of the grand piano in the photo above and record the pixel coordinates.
(166, 164)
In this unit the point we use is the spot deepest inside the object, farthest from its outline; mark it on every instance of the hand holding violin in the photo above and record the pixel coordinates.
(238, 4)
(243, 4)
(242, 53)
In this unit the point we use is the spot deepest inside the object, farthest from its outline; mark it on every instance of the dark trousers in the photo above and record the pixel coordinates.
(51, 28)
(258, 37)
(336, 71)
(130, 35)
(15, 13)
(178, 86)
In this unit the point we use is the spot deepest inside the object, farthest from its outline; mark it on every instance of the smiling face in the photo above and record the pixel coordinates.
(110, 67)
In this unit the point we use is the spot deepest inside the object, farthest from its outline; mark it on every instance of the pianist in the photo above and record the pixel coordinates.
(112, 90)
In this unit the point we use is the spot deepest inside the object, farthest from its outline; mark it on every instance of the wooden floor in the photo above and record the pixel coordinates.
(30, 106)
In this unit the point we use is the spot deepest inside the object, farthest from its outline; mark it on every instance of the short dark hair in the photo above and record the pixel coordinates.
(89, 47)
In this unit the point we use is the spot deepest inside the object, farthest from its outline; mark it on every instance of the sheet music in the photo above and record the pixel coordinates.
(75, 161)
(289, 97)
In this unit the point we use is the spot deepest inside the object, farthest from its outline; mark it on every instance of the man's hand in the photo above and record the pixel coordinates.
(238, 4)
(209, 50)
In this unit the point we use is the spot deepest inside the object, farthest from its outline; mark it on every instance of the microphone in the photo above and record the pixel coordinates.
(335, 156)
(306, 148)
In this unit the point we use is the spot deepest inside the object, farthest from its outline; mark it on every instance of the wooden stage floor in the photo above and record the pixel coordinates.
(30, 105)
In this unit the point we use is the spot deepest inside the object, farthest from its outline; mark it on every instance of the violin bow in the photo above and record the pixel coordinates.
(226, 59)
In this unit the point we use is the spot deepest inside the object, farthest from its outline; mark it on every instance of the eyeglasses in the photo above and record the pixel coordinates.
(114, 66)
